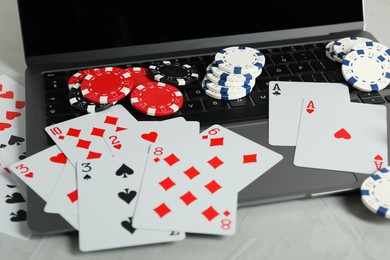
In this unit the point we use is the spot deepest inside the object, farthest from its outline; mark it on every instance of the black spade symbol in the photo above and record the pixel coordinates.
(15, 140)
(127, 196)
(16, 197)
(21, 215)
(128, 225)
(124, 170)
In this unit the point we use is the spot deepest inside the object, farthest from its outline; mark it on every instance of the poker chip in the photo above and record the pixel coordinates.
(367, 69)
(373, 45)
(343, 46)
(156, 99)
(75, 80)
(226, 83)
(77, 100)
(329, 51)
(107, 85)
(233, 77)
(208, 84)
(221, 95)
(240, 59)
(174, 73)
(139, 75)
(375, 192)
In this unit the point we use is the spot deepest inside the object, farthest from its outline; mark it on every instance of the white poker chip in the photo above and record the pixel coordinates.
(367, 69)
(373, 45)
(240, 59)
(226, 91)
(226, 83)
(222, 96)
(233, 77)
(343, 46)
(329, 49)
(375, 192)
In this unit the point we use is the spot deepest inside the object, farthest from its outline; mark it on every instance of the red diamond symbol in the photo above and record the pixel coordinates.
(98, 132)
(156, 159)
(111, 120)
(210, 213)
(205, 136)
(83, 144)
(215, 162)
(73, 196)
(226, 213)
(188, 198)
(162, 210)
(216, 141)
(171, 159)
(192, 172)
(213, 186)
(73, 132)
(250, 158)
(167, 183)
(93, 155)
(61, 137)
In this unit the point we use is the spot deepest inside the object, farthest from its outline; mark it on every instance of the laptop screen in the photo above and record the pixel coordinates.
(55, 27)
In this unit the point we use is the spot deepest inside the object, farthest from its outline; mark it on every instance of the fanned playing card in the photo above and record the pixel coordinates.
(252, 159)
(188, 187)
(13, 208)
(285, 101)
(348, 137)
(108, 190)
(12, 121)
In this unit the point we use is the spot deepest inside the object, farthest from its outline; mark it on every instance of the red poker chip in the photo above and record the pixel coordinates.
(139, 75)
(107, 85)
(156, 99)
(74, 82)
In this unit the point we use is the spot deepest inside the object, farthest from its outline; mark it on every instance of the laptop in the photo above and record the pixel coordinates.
(63, 37)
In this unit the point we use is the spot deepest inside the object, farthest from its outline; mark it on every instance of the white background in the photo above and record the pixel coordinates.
(333, 227)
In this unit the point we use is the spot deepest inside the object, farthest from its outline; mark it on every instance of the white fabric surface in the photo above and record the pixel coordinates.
(333, 227)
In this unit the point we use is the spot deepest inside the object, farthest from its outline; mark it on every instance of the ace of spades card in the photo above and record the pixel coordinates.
(108, 190)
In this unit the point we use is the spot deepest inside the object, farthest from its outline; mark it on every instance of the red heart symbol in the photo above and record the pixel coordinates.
(151, 137)
(4, 126)
(310, 110)
(12, 115)
(378, 157)
(342, 133)
(8, 94)
(20, 104)
(118, 146)
(59, 158)
(29, 175)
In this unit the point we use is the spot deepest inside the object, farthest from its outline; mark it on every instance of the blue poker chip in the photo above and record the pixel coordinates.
(227, 83)
(375, 192)
(240, 60)
(221, 96)
(343, 46)
(367, 69)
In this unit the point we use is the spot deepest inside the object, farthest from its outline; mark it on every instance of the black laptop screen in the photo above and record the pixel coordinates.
(53, 27)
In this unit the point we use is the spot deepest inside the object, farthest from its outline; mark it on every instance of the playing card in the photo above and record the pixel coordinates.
(285, 100)
(108, 190)
(40, 172)
(12, 121)
(13, 208)
(188, 188)
(12, 178)
(253, 159)
(175, 130)
(348, 137)
(82, 138)
(64, 196)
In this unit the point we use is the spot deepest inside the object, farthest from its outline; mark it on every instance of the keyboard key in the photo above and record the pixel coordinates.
(191, 106)
(59, 109)
(334, 76)
(323, 65)
(56, 84)
(320, 53)
(195, 91)
(270, 50)
(240, 102)
(263, 84)
(260, 97)
(300, 67)
(58, 119)
(215, 104)
(313, 77)
(292, 48)
(277, 70)
(368, 95)
(53, 75)
(314, 46)
(374, 100)
(304, 55)
(282, 58)
(291, 78)
(57, 96)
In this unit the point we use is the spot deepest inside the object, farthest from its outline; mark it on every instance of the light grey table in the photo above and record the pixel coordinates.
(333, 227)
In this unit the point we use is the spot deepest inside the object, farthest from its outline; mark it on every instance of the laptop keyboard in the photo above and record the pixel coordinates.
(306, 63)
